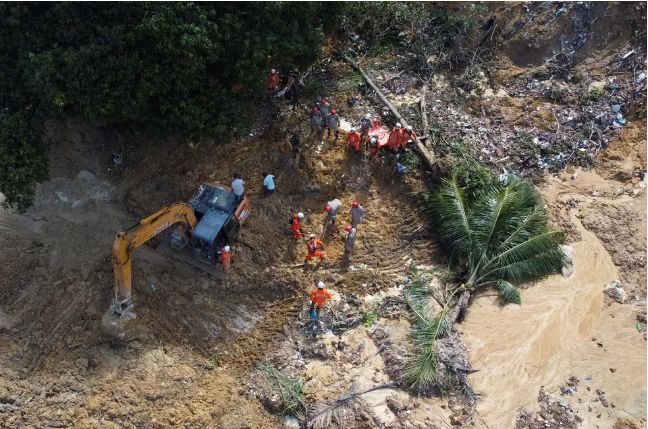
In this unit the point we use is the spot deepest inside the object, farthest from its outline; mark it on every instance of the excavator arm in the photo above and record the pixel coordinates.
(126, 242)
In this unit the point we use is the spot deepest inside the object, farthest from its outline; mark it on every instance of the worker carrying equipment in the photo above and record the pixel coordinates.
(395, 138)
(314, 248)
(354, 140)
(407, 135)
(332, 208)
(318, 298)
(357, 214)
(349, 242)
(295, 224)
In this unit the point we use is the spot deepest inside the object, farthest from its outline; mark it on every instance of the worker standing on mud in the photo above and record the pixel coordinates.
(395, 137)
(238, 186)
(357, 214)
(332, 208)
(225, 258)
(318, 298)
(316, 121)
(332, 124)
(354, 140)
(325, 108)
(294, 92)
(272, 83)
(372, 148)
(349, 241)
(294, 143)
(295, 225)
(314, 248)
(365, 126)
(268, 183)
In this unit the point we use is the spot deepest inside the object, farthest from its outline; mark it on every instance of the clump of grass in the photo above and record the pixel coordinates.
(542, 74)
(369, 318)
(290, 388)
(595, 94)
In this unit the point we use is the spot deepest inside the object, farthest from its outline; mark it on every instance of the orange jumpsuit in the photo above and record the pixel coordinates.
(405, 137)
(395, 139)
(319, 297)
(295, 227)
(355, 141)
(273, 81)
(314, 249)
(225, 260)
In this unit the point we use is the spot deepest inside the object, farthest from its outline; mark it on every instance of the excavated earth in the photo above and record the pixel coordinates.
(570, 356)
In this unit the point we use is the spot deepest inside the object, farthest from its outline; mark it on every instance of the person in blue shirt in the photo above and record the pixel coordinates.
(268, 183)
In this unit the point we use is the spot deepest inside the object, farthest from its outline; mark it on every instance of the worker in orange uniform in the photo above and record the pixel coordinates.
(355, 140)
(295, 225)
(407, 135)
(314, 248)
(372, 147)
(318, 298)
(273, 81)
(395, 137)
(225, 258)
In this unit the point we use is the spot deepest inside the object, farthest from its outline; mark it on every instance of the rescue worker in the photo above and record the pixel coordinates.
(407, 135)
(318, 298)
(395, 137)
(238, 186)
(357, 214)
(332, 208)
(272, 82)
(365, 125)
(333, 124)
(294, 92)
(314, 248)
(349, 242)
(354, 140)
(268, 183)
(295, 225)
(294, 143)
(372, 147)
(225, 258)
(325, 108)
(316, 120)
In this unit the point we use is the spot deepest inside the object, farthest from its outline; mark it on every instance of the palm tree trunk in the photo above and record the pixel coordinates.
(459, 311)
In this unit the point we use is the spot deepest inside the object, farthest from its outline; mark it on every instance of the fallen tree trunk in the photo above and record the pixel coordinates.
(424, 115)
(428, 157)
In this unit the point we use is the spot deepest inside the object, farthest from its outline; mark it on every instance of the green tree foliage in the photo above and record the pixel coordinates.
(500, 238)
(187, 68)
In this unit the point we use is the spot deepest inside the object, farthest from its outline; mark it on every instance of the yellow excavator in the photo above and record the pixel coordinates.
(210, 220)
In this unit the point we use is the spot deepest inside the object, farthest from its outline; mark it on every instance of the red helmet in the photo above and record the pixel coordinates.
(333, 112)
(323, 100)
(348, 228)
(328, 208)
(355, 204)
(315, 109)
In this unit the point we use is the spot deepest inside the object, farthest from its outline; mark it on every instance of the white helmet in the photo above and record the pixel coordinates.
(311, 236)
(300, 215)
(368, 116)
(226, 248)
(320, 285)
(408, 128)
(273, 71)
(353, 130)
(398, 125)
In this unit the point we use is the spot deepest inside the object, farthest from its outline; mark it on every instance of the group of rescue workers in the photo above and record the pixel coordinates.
(324, 121)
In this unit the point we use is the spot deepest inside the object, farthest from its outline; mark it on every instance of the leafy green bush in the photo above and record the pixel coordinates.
(22, 164)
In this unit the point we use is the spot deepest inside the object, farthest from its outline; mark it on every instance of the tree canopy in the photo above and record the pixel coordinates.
(188, 68)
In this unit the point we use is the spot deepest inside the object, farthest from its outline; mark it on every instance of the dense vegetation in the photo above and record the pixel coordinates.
(190, 69)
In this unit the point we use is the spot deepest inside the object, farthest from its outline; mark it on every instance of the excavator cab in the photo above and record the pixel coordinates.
(219, 217)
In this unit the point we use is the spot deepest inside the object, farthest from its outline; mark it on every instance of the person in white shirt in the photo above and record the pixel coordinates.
(268, 183)
(238, 186)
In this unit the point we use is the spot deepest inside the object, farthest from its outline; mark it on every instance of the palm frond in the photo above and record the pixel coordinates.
(534, 258)
(452, 218)
(508, 293)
